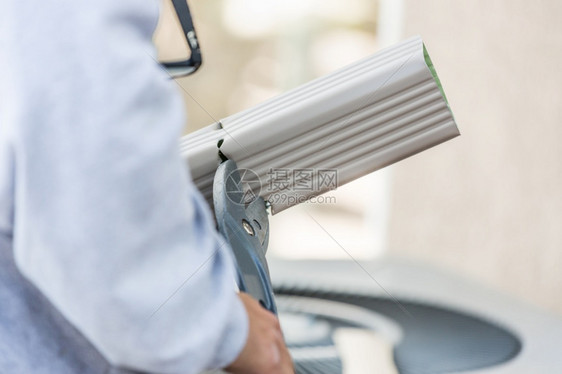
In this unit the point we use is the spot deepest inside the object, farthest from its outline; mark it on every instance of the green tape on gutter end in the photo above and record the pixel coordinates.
(429, 64)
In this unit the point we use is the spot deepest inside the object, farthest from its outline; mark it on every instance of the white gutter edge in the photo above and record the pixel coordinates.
(352, 122)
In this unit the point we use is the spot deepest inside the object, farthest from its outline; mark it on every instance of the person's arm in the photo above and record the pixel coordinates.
(265, 350)
(107, 224)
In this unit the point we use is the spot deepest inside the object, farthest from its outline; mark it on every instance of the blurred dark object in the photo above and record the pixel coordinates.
(183, 68)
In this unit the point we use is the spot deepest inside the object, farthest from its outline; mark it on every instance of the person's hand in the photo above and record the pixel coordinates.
(265, 351)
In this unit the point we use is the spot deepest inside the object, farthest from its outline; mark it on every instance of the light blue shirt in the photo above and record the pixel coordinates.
(95, 200)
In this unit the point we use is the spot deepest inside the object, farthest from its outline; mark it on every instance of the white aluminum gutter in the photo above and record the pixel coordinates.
(352, 122)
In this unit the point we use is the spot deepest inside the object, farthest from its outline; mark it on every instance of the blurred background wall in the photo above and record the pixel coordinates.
(487, 205)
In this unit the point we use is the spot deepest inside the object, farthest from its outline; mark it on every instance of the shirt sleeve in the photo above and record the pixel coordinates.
(107, 223)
